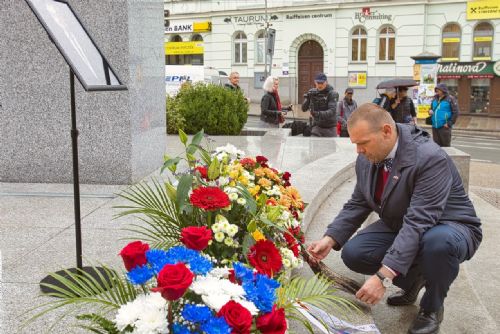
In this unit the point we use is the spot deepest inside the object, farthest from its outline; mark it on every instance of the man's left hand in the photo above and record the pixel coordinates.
(372, 291)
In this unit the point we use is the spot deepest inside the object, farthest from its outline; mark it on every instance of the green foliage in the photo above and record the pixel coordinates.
(217, 110)
(77, 289)
(98, 324)
(175, 120)
(316, 291)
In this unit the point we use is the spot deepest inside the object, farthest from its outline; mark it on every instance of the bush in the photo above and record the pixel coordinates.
(217, 110)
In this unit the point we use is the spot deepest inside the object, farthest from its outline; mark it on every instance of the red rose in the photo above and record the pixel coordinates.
(173, 280)
(209, 198)
(236, 316)
(273, 322)
(196, 238)
(265, 257)
(286, 176)
(134, 254)
(203, 171)
(262, 160)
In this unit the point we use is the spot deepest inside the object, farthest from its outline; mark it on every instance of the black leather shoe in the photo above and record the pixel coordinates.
(427, 322)
(409, 297)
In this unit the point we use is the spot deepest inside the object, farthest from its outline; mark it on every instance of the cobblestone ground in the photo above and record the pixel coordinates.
(485, 182)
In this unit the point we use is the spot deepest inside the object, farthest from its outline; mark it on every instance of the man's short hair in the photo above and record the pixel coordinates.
(373, 114)
(232, 74)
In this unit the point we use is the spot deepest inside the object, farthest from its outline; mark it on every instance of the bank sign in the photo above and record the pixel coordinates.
(180, 27)
(478, 69)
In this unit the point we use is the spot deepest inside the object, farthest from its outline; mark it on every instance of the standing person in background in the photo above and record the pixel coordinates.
(234, 84)
(444, 112)
(322, 101)
(386, 99)
(234, 81)
(403, 109)
(345, 108)
(271, 111)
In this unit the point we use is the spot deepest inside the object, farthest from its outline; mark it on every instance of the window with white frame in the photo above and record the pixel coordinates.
(386, 44)
(483, 41)
(450, 50)
(358, 44)
(260, 42)
(240, 48)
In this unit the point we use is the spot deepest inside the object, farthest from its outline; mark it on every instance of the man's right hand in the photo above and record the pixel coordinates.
(319, 249)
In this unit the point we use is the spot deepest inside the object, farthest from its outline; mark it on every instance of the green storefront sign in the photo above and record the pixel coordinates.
(474, 69)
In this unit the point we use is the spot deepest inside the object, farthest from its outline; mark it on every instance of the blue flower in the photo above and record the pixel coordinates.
(262, 292)
(201, 265)
(216, 326)
(180, 329)
(242, 272)
(181, 254)
(140, 274)
(196, 313)
(157, 258)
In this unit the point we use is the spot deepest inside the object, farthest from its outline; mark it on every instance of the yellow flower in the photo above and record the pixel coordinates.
(254, 190)
(259, 172)
(265, 183)
(243, 180)
(257, 235)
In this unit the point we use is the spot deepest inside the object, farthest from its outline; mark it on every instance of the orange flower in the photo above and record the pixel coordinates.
(295, 198)
(259, 172)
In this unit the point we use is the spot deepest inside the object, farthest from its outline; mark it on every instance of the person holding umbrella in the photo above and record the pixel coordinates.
(403, 109)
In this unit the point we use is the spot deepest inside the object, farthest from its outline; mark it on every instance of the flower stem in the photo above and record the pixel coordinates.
(170, 317)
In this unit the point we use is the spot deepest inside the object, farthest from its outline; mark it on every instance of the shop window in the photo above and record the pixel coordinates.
(480, 95)
(451, 42)
(483, 41)
(195, 59)
(240, 48)
(358, 44)
(386, 44)
(176, 38)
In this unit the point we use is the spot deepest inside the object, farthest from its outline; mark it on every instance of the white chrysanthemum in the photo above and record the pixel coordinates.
(232, 230)
(210, 285)
(147, 314)
(233, 196)
(219, 272)
(230, 190)
(230, 150)
(229, 241)
(295, 262)
(215, 302)
(219, 236)
(286, 253)
(224, 226)
(287, 263)
(127, 315)
(219, 219)
(251, 185)
(216, 227)
(241, 201)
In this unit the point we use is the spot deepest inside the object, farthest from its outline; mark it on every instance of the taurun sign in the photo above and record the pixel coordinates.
(252, 19)
(367, 14)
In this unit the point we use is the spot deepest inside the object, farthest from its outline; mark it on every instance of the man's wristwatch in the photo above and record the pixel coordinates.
(386, 282)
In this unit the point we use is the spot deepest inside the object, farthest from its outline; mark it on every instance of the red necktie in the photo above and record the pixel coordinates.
(382, 178)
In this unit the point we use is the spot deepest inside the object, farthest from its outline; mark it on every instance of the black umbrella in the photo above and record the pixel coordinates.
(397, 83)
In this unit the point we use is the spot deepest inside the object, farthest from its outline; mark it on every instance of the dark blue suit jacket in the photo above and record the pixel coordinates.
(424, 189)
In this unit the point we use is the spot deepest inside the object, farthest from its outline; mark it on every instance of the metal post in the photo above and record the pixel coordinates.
(265, 41)
(76, 177)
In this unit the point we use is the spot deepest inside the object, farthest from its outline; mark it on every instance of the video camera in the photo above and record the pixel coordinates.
(311, 93)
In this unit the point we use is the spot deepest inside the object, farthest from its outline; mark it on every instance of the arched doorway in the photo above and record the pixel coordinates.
(310, 63)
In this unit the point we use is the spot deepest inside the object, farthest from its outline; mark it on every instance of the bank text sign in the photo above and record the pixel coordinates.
(483, 9)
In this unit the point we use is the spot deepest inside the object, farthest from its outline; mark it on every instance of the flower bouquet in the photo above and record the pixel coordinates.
(218, 243)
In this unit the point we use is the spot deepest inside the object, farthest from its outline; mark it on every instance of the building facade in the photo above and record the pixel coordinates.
(356, 43)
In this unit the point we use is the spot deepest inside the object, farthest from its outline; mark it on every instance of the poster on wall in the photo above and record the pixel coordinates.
(357, 80)
(428, 80)
(176, 75)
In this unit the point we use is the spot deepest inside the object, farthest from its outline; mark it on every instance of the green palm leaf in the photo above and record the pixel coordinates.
(74, 290)
(316, 291)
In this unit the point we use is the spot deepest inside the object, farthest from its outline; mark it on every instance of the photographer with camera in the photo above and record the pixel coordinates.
(322, 101)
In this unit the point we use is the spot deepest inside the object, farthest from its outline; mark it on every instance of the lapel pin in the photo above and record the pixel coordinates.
(395, 177)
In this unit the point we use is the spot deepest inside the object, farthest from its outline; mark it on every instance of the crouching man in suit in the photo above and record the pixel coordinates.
(427, 224)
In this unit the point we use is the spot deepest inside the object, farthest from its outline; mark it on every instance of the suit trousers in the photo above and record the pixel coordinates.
(441, 251)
